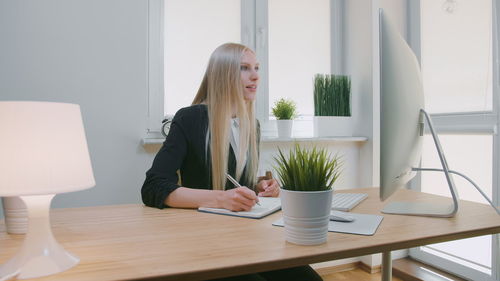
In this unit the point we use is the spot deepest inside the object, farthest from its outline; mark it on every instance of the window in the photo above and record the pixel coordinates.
(299, 48)
(476, 163)
(193, 29)
(456, 47)
(184, 33)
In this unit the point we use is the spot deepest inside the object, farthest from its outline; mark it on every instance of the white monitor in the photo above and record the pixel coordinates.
(402, 118)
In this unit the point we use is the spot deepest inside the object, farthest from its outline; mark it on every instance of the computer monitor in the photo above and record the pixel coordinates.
(402, 117)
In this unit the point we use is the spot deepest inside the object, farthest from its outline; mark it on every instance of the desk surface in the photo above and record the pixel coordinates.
(136, 242)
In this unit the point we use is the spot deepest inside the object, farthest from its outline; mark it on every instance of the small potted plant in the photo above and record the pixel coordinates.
(307, 177)
(332, 105)
(285, 111)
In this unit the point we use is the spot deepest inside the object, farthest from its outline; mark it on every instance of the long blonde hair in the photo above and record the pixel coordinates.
(222, 90)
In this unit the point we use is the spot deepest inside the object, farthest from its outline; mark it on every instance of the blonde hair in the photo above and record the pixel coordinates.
(222, 90)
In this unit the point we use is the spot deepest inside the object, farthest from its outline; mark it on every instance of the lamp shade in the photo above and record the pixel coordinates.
(43, 149)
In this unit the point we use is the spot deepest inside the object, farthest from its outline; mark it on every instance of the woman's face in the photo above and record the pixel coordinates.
(249, 75)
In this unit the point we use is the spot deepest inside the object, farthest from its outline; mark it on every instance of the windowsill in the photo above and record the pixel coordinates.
(314, 139)
(155, 141)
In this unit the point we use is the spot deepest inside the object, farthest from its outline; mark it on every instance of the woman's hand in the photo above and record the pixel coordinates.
(238, 199)
(268, 188)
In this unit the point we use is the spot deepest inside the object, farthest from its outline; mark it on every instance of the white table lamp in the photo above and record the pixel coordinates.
(43, 152)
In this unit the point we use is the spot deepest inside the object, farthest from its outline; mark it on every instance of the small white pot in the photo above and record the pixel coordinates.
(284, 128)
(306, 215)
(333, 126)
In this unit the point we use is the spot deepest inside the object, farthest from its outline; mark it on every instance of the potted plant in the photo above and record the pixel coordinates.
(285, 111)
(307, 177)
(332, 105)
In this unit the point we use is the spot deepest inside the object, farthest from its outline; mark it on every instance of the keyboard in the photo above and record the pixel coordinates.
(346, 201)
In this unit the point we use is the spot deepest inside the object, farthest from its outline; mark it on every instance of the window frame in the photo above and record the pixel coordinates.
(254, 33)
(155, 66)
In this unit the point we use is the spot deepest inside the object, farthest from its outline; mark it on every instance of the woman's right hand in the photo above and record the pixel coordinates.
(238, 199)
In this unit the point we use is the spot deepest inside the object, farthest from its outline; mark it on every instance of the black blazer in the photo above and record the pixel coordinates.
(183, 150)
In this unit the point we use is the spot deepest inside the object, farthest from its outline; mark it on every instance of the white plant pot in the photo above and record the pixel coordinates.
(333, 126)
(306, 215)
(284, 128)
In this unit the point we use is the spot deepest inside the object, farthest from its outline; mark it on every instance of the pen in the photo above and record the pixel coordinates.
(237, 184)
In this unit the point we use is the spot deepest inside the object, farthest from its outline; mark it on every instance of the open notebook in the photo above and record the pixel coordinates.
(268, 205)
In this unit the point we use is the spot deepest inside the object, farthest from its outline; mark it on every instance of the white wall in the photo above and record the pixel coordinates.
(93, 53)
(347, 151)
(358, 64)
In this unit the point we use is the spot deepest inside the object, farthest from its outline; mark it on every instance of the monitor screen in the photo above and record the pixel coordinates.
(401, 99)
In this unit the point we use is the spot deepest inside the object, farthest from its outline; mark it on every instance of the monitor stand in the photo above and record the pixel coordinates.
(423, 208)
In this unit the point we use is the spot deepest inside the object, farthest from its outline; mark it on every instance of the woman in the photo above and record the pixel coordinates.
(215, 136)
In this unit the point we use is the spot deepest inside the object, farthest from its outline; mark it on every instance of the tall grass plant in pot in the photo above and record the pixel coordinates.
(307, 177)
(285, 110)
(332, 105)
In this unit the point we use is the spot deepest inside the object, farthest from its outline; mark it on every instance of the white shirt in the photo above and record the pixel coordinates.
(234, 139)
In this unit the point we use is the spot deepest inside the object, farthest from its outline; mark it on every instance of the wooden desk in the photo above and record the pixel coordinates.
(136, 242)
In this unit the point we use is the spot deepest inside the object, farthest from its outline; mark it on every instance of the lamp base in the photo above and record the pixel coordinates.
(40, 254)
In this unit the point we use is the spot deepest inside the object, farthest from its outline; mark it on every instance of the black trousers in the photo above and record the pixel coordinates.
(300, 273)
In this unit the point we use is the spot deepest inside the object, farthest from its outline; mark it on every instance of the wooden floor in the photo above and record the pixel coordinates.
(355, 275)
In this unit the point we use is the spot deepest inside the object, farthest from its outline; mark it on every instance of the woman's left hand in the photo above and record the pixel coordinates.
(268, 188)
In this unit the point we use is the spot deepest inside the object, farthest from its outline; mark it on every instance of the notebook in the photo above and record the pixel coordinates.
(363, 224)
(268, 205)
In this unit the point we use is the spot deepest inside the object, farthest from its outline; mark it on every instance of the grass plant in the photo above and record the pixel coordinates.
(332, 95)
(307, 169)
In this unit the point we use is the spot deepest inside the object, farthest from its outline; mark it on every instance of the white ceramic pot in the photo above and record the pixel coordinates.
(306, 215)
(16, 215)
(284, 128)
(333, 126)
